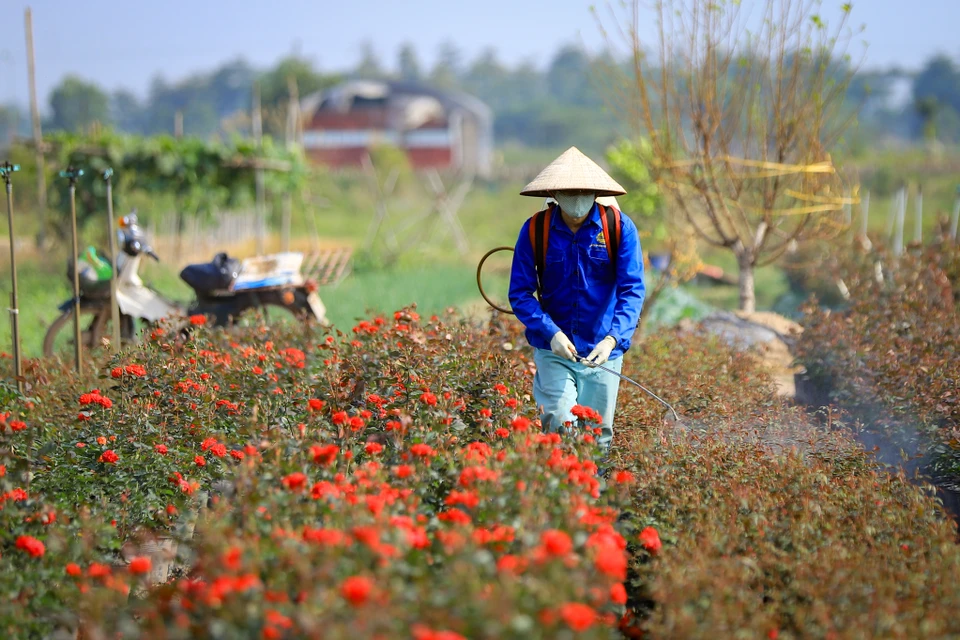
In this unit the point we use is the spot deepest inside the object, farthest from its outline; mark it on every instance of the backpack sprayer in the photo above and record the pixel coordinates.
(607, 202)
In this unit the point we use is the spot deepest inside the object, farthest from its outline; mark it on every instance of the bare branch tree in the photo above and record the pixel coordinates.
(741, 109)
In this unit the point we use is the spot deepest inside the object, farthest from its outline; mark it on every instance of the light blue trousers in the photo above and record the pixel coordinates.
(559, 384)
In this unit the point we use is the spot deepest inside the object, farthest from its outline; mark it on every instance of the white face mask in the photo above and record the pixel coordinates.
(575, 206)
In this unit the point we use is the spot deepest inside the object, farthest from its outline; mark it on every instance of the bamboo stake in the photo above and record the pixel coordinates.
(6, 169)
(37, 132)
(848, 218)
(901, 214)
(892, 218)
(72, 174)
(956, 217)
(114, 263)
(864, 219)
(918, 218)
(258, 172)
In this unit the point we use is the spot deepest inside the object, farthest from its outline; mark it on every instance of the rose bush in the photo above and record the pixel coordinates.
(890, 357)
(772, 523)
(392, 481)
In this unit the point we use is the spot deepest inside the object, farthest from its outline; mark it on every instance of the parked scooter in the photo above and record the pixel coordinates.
(255, 285)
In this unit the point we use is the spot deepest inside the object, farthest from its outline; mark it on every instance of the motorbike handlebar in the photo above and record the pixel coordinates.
(153, 255)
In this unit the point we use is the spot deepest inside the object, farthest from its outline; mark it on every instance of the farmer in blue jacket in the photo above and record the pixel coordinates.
(577, 286)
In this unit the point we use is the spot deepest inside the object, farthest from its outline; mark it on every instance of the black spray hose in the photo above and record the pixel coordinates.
(579, 359)
(480, 283)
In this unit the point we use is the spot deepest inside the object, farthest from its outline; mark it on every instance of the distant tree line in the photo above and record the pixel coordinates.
(567, 102)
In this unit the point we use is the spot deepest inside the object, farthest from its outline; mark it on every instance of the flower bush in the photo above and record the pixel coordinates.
(890, 357)
(393, 481)
(771, 524)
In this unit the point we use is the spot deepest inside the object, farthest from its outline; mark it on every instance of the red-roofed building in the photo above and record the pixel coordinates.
(437, 129)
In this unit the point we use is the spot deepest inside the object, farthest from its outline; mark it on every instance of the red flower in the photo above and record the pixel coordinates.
(611, 561)
(315, 404)
(650, 540)
(161, 449)
(469, 499)
(199, 461)
(94, 397)
(356, 423)
(403, 471)
(500, 388)
(324, 454)
(356, 590)
(17, 425)
(116, 372)
(137, 370)
(510, 564)
(421, 632)
(585, 413)
(623, 477)
(373, 448)
(295, 481)
(556, 542)
(271, 633)
(422, 450)
(198, 320)
(236, 454)
(578, 616)
(219, 449)
(97, 570)
(618, 594)
(502, 433)
(109, 456)
(520, 424)
(140, 565)
(73, 569)
(327, 537)
(31, 545)
(340, 417)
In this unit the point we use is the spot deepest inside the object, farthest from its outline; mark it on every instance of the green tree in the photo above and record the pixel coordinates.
(630, 164)
(568, 77)
(76, 104)
(928, 108)
(126, 112)
(408, 63)
(11, 121)
(204, 99)
(447, 70)
(369, 65)
(939, 79)
(275, 83)
(742, 143)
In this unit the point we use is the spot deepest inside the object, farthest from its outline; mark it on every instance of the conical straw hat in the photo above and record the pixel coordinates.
(573, 170)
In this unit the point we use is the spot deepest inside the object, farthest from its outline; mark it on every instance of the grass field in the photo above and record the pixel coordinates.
(433, 288)
(339, 209)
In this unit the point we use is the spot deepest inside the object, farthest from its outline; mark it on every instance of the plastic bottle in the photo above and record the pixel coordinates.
(101, 267)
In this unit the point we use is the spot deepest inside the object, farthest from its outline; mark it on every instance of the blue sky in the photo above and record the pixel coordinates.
(127, 43)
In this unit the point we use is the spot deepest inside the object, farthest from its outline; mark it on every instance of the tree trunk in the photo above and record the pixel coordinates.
(748, 298)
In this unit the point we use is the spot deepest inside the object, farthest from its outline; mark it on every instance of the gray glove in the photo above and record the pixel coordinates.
(600, 353)
(561, 345)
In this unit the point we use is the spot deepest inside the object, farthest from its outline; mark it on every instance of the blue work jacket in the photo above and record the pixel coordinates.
(582, 296)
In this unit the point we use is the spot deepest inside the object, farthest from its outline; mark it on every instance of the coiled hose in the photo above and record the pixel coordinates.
(480, 281)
